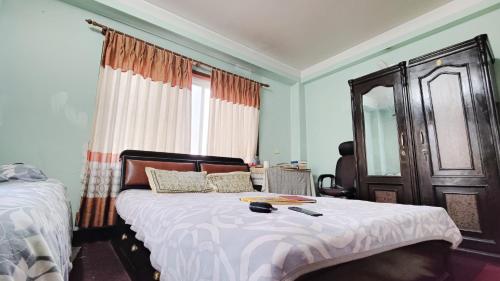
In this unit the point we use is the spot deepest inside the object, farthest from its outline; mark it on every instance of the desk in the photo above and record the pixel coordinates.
(284, 181)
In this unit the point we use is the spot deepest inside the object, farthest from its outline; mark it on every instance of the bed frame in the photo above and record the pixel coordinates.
(426, 261)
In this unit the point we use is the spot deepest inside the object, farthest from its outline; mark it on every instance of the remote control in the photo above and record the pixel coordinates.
(307, 212)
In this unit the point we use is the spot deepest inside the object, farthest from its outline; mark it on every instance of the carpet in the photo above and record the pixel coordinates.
(489, 272)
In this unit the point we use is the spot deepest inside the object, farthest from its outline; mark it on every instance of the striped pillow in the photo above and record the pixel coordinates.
(163, 181)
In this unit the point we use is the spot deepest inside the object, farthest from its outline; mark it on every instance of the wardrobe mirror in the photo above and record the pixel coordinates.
(381, 132)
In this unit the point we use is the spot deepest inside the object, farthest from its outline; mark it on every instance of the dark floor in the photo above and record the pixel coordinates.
(471, 267)
(98, 261)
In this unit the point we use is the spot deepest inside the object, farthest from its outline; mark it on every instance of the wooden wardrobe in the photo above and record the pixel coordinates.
(428, 133)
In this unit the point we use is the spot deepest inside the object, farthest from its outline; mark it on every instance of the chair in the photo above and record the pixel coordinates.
(342, 184)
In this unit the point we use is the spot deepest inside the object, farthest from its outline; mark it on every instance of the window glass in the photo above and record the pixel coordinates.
(200, 102)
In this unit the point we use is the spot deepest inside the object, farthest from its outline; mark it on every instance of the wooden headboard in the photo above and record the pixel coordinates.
(134, 162)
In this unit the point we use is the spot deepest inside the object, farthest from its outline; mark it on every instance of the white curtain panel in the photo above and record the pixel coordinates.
(143, 103)
(137, 113)
(233, 130)
(132, 113)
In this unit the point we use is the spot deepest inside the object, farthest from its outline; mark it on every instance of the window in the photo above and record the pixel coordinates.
(200, 93)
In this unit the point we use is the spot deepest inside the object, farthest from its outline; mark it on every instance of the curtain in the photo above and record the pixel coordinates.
(233, 116)
(144, 103)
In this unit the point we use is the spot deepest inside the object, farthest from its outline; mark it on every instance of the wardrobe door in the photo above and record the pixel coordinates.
(454, 143)
(382, 150)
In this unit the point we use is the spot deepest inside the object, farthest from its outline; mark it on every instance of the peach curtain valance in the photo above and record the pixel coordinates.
(128, 53)
(235, 89)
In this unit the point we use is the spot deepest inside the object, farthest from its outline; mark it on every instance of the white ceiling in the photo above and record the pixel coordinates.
(299, 33)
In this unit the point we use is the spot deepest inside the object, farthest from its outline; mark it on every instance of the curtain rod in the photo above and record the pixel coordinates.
(196, 62)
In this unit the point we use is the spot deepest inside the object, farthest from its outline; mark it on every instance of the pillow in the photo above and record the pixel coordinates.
(164, 181)
(230, 182)
(21, 172)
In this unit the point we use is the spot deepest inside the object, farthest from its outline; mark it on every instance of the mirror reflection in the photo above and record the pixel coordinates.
(381, 132)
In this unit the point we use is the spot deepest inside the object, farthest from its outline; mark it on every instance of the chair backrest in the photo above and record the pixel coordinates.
(345, 169)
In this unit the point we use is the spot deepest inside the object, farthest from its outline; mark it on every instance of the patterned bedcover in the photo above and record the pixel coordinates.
(214, 236)
(35, 231)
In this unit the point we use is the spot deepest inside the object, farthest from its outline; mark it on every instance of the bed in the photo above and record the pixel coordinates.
(214, 236)
(35, 231)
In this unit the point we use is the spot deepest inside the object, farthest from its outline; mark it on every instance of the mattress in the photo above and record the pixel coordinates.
(35, 231)
(214, 236)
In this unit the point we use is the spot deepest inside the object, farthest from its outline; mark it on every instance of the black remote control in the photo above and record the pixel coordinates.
(307, 212)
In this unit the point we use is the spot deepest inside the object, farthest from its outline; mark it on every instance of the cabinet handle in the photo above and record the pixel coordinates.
(134, 248)
(402, 140)
(422, 141)
(124, 236)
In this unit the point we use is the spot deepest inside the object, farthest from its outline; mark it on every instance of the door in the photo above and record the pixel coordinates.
(455, 153)
(382, 147)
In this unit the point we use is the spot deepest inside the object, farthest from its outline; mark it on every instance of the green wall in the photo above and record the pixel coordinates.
(327, 99)
(49, 62)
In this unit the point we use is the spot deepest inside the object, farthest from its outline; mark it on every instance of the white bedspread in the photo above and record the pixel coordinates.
(214, 236)
(35, 231)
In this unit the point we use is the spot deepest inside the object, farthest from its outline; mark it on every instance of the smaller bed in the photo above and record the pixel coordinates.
(213, 236)
(35, 231)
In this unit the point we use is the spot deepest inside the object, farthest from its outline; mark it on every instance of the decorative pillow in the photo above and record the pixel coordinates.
(21, 172)
(230, 182)
(163, 181)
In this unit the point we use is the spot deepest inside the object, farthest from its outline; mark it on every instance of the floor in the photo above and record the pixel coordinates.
(470, 267)
(98, 261)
